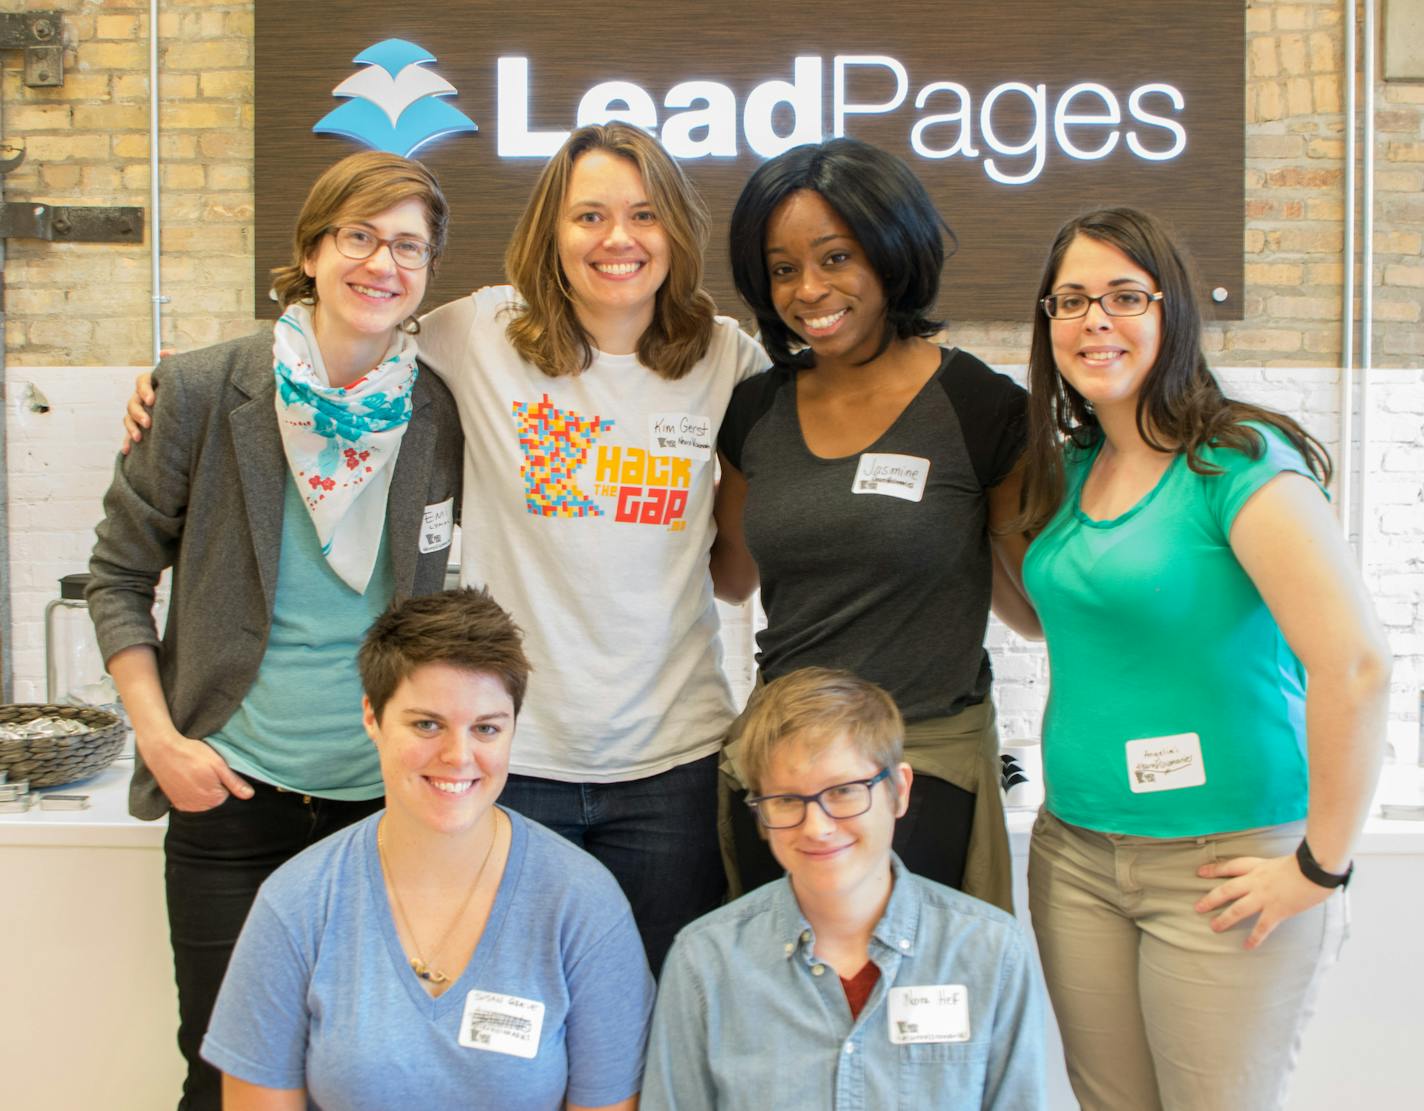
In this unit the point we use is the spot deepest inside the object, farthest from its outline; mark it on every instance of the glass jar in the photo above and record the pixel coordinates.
(74, 668)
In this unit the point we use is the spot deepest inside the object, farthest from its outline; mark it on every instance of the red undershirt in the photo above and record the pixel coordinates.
(859, 987)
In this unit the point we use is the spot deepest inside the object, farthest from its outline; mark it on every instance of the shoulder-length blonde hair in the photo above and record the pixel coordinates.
(546, 330)
(356, 188)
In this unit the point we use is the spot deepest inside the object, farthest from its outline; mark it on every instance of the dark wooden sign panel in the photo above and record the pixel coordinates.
(1016, 116)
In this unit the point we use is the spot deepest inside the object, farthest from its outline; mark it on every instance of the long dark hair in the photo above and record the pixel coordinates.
(889, 213)
(1180, 407)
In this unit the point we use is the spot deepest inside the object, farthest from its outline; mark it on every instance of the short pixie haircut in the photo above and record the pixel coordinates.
(464, 628)
(886, 208)
(813, 707)
(356, 188)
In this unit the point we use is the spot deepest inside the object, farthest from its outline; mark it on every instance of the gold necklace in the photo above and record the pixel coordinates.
(418, 965)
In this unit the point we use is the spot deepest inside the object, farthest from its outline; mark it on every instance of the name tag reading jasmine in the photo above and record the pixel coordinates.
(686, 435)
(1165, 763)
(937, 1013)
(502, 1024)
(896, 476)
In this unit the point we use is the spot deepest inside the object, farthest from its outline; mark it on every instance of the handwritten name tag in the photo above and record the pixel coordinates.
(895, 476)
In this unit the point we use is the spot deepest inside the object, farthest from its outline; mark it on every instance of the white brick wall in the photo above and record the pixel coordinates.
(60, 463)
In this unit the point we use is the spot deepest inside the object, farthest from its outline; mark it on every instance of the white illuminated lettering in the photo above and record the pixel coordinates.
(1037, 94)
(719, 118)
(802, 93)
(618, 100)
(1062, 118)
(964, 144)
(839, 106)
(1134, 106)
(700, 117)
(514, 139)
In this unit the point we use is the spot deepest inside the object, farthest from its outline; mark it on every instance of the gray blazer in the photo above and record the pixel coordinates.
(203, 493)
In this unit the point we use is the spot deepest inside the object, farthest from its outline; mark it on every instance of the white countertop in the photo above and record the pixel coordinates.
(107, 823)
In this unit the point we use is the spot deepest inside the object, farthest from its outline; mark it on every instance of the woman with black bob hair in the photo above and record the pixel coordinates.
(861, 479)
(1219, 681)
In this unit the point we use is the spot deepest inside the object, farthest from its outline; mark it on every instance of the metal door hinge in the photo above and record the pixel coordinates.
(41, 36)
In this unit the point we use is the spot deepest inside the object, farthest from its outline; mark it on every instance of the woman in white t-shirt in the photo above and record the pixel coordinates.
(591, 391)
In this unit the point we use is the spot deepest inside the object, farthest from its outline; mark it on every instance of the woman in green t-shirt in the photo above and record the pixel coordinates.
(1202, 796)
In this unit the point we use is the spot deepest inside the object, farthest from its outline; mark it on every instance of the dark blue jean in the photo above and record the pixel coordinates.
(658, 836)
(215, 860)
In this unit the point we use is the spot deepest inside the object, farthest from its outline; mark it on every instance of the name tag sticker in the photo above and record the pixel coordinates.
(685, 435)
(938, 1013)
(502, 1024)
(896, 476)
(438, 527)
(1165, 763)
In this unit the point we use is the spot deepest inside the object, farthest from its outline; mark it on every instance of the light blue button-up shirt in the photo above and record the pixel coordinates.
(749, 1018)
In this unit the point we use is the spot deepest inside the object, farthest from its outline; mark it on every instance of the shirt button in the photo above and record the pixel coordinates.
(850, 1047)
(805, 935)
(790, 948)
(904, 943)
(818, 970)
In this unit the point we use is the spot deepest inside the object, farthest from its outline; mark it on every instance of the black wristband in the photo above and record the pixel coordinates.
(1311, 870)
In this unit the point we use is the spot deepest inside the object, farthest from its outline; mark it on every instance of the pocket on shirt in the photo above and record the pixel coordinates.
(942, 1074)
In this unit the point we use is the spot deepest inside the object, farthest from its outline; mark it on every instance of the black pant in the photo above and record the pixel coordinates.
(215, 861)
(932, 839)
(657, 835)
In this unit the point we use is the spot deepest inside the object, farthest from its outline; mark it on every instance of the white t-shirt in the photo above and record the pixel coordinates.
(588, 515)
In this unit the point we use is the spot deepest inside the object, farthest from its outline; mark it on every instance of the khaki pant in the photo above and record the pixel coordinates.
(1156, 1010)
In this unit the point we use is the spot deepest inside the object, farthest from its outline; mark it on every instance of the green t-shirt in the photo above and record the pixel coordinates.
(299, 726)
(1176, 707)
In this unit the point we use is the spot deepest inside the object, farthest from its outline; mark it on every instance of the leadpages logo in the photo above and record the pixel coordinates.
(396, 103)
(701, 119)
(397, 106)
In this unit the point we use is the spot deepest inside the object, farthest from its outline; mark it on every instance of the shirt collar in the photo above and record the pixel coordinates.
(895, 932)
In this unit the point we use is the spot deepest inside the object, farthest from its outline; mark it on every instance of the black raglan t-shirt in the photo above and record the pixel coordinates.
(879, 562)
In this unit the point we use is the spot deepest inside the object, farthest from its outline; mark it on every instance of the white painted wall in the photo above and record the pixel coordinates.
(60, 462)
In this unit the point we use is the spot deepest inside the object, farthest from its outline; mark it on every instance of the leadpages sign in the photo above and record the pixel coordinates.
(1013, 124)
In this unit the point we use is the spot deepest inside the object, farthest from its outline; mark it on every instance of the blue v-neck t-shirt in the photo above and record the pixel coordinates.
(1166, 666)
(319, 994)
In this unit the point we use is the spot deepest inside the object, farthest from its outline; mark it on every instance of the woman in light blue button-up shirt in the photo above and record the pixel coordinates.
(851, 983)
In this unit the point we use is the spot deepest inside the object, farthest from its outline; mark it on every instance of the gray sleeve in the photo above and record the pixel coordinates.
(144, 511)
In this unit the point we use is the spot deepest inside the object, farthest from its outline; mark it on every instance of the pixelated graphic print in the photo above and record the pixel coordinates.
(555, 444)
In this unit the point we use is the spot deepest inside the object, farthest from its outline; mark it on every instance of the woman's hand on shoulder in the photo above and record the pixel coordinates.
(138, 412)
(1273, 889)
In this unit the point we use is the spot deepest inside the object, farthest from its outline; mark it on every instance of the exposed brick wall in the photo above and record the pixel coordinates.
(88, 305)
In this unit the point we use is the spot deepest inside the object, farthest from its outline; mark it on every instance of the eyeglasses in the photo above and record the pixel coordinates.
(358, 243)
(840, 800)
(1120, 302)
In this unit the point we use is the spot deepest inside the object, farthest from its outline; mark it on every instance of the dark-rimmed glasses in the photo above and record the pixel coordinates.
(839, 800)
(1118, 302)
(358, 244)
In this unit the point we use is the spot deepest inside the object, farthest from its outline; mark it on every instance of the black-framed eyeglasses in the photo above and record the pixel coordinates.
(1118, 302)
(358, 243)
(839, 800)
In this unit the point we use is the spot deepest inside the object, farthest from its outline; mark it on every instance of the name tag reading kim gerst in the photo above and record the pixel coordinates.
(685, 435)
(502, 1024)
(937, 1013)
(896, 476)
(1165, 763)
